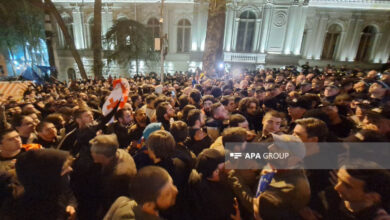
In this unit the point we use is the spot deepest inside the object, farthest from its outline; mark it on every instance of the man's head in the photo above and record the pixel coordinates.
(363, 182)
(297, 107)
(378, 89)
(210, 163)
(331, 91)
(179, 131)
(103, 148)
(136, 100)
(57, 119)
(208, 101)
(124, 117)
(234, 135)
(248, 106)
(287, 144)
(161, 145)
(150, 101)
(290, 87)
(83, 117)
(47, 131)
(195, 97)
(228, 102)
(272, 121)
(219, 112)
(238, 120)
(23, 124)
(29, 108)
(196, 118)
(10, 142)
(311, 130)
(164, 112)
(372, 74)
(153, 189)
(140, 116)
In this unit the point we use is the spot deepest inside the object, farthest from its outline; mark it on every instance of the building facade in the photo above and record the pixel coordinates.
(258, 33)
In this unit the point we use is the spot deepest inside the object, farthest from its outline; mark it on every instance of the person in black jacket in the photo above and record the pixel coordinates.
(44, 176)
(161, 148)
(121, 127)
(208, 195)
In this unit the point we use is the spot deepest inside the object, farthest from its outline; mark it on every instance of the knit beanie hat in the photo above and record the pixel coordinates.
(150, 129)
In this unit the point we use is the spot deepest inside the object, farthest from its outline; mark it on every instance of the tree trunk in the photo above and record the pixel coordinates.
(69, 40)
(97, 39)
(212, 54)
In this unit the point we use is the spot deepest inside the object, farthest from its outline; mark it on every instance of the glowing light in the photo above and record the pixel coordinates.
(221, 66)
(194, 46)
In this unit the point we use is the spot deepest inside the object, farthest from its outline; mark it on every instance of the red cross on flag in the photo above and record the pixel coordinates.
(119, 93)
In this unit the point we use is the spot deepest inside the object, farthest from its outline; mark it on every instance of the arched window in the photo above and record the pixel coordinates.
(69, 26)
(154, 27)
(90, 32)
(246, 31)
(331, 42)
(366, 43)
(183, 36)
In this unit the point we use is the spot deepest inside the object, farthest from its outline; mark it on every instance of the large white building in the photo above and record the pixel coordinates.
(257, 32)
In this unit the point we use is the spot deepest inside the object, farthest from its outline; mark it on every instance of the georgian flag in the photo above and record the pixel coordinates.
(118, 94)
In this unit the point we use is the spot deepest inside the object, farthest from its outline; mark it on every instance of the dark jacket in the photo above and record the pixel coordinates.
(207, 200)
(46, 192)
(121, 132)
(46, 144)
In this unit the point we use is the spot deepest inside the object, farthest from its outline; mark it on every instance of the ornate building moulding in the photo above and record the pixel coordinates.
(280, 18)
(254, 9)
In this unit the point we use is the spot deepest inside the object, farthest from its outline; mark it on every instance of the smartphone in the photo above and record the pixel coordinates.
(173, 94)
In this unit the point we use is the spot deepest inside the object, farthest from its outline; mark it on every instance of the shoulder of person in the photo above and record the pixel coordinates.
(125, 164)
(122, 208)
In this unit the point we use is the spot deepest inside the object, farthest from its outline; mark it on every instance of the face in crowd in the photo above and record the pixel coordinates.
(10, 143)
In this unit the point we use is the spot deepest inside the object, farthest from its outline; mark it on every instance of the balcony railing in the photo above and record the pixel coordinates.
(244, 57)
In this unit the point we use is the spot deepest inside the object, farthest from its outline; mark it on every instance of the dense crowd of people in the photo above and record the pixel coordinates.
(162, 155)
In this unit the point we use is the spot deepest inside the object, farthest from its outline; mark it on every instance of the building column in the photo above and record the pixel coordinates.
(228, 29)
(106, 21)
(265, 29)
(235, 32)
(78, 28)
(386, 43)
(321, 33)
(195, 28)
(374, 53)
(339, 45)
(301, 28)
(355, 40)
(309, 36)
(172, 38)
(311, 39)
(291, 26)
(255, 47)
(344, 44)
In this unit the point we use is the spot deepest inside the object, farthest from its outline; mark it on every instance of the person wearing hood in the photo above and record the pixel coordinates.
(209, 196)
(152, 191)
(107, 180)
(44, 177)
